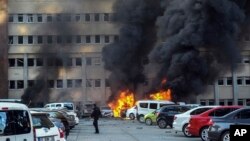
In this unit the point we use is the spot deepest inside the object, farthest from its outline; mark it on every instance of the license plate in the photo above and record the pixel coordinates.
(46, 139)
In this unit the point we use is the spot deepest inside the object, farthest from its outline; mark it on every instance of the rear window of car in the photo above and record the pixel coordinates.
(143, 105)
(199, 111)
(40, 120)
(14, 122)
(69, 106)
(221, 112)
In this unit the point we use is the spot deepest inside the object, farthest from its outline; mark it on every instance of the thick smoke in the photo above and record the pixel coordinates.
(126, 57)
(54, 55)
(188, 27)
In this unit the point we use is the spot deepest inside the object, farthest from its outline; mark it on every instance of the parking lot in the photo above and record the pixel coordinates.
(123, 130)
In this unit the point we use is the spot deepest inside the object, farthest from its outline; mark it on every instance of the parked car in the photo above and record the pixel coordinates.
(219, 129)
(44, 129)
(15, 122)
(165, 116)
(198, 124)
(145, 106)
(150, 118)
(106, 111)
(131, 113)
(181, 120)
(61, 127)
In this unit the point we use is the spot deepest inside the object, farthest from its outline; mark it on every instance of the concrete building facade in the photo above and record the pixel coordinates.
(32, 25)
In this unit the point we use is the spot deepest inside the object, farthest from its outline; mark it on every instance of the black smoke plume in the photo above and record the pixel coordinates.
(54, 55)
(200, 39)
(125, 58)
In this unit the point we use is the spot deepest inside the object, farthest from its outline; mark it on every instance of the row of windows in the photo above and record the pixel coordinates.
(59, 39)
(223, 101)
(38, 18)
(70, 83)
(229, 81)
(70, 62)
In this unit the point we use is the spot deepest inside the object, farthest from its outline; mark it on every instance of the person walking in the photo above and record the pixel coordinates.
(95, 115)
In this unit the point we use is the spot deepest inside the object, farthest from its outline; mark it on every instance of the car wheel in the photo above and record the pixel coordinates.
(162, 123)
(203, 134)
(225, 136)
(132, 116)
(148, 121)
(141, 118)
(185, 131)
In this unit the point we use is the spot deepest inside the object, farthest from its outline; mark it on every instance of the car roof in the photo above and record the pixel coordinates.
(235, 112)
(38, 112)
(160, 101)
(13, 106)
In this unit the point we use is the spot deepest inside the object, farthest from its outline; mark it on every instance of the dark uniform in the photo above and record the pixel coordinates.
(95, 115)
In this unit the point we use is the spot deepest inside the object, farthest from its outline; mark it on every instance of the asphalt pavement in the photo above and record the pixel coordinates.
(123, 130)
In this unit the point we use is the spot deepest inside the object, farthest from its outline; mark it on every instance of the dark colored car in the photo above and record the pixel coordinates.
(219, 130)
(165, 115)
(198, 124)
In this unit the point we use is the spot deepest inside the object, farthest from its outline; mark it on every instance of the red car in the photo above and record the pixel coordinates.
(198, 124)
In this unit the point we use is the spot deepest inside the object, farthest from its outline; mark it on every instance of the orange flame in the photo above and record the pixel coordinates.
(161, 95)
(125, 100)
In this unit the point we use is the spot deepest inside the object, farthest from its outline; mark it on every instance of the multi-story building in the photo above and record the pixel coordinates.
(76, 31)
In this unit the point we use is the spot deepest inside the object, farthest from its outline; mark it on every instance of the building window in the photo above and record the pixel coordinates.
(97, 61)
(89, 83)
(31, 62)
(49, 39)
(20, 84)
(247, 80)
(59, 39)
(78, 39)
(221, 81)
(39, 62)
(97, 38)
(12, 62)
(88, 40)
(239, 80)
(98, 83)
(221, 102)
(30, 18)
(210, 102)
(97, 17)
(59, 62)
(68, 39)
(78, 62)
(58, 17)
(39, 39)
(12, 84)
(77, 17)
(30, 39)
(67, 17)
(20, 39)
(229, 81)
(78, 83)
(49, 18)
(11, 18)
(87, 17)
(88, 61)
(116, 38)
(20, 17)
(59, 84)
(203, 102)
(11, 40)
(50, 62)
(229, 102)
(69, 62)
(69, 83)
(240, 101)
(106, 39)
(106, 17)
(31, 83)
(107, 83)
(20, 62)
(39, 18)
(51, 83)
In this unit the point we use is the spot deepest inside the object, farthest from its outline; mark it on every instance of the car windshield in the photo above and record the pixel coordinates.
(69, 106)
(40, 120)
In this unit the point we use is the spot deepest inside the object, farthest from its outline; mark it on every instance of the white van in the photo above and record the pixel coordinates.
(146, 106)
(15, 122)
(70, 106)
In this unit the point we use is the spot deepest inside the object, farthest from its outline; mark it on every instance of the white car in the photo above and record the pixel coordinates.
(106, 111)
(44, 128)
(131, 113)
(181, 120)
